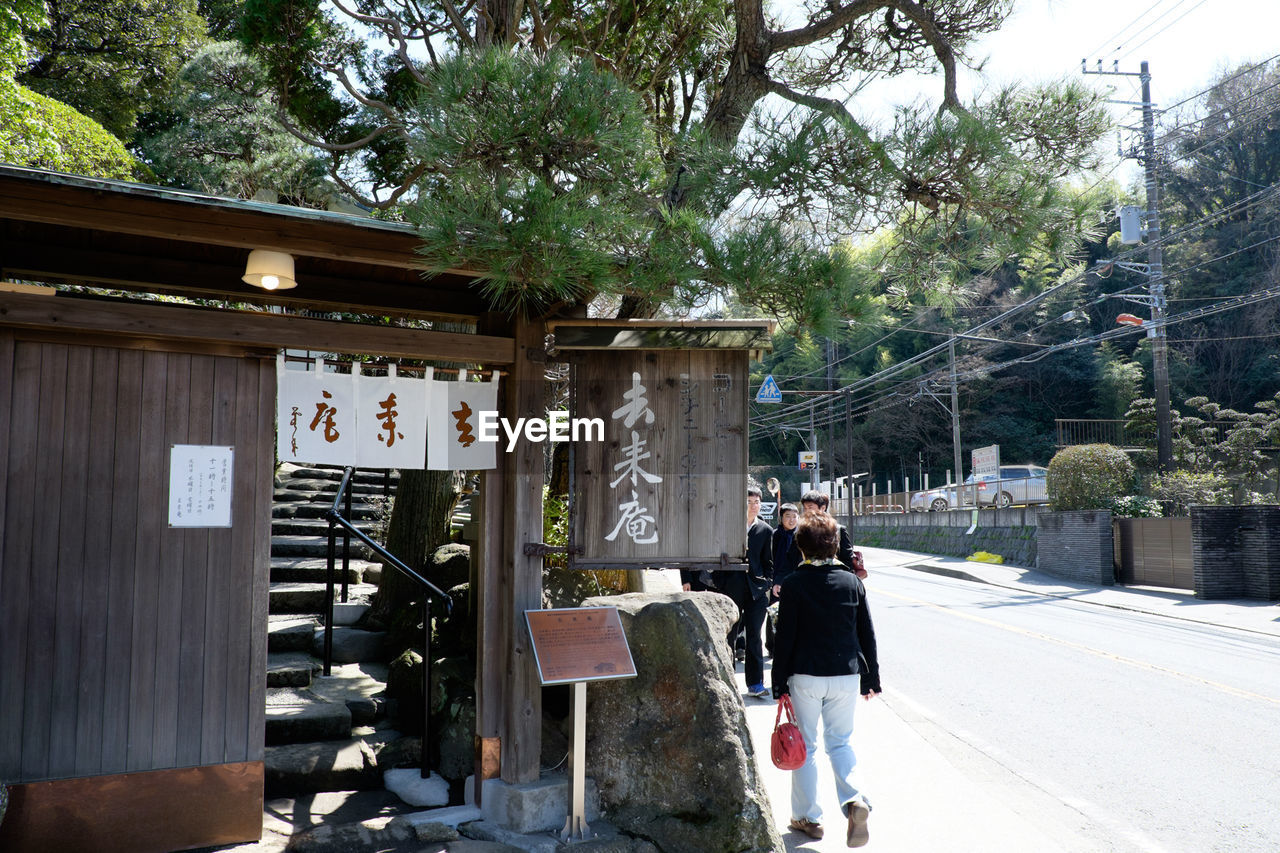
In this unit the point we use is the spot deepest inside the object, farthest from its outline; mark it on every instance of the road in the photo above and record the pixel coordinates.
(1128, 731)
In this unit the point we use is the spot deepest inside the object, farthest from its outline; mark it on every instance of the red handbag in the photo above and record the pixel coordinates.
(787, 746)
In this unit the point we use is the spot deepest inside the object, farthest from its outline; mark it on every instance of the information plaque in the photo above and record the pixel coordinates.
(579, 644)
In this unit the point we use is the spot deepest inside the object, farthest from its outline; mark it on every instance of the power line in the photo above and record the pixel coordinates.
(1161, 30)
(1120, 33)
(1220, 84)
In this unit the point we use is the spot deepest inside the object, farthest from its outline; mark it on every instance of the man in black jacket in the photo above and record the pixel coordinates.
(750, 592)
(849, 558)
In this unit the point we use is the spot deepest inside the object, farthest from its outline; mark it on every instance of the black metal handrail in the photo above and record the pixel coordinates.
(336, 520)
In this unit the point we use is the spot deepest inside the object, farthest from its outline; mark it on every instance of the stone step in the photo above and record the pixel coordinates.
(314, 527)
(313, 570)
(352, 645)
(324, 472)
(291, 669)
(292, 597)
(353, 764)
(291, 633)
(298, 715)
(362, 687)
(310, 816)
(360, 511)
(311, 546)
(329, 487)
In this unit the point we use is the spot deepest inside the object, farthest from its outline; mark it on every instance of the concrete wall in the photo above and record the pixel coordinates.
(1076, 546)
(1011, 533)
(1236, 551)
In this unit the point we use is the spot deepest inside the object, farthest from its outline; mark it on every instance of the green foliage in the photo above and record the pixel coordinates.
(17, 16)
(1089, 476)
(111, 59)
(543, 176)
(43, 133)
(221, 136)
(1119, 383)
(555, 532)
(1185, 489)
(1135, 506)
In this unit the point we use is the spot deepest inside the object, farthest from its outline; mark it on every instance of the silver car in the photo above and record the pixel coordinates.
(1018, 484)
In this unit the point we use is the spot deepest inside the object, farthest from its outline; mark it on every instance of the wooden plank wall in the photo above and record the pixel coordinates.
(128, 645)
(697, 444)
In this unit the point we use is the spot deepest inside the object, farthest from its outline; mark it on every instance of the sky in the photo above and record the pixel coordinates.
(1187, 43)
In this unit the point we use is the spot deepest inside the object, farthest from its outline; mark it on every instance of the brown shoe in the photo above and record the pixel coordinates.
(808, 827)
(858, 834)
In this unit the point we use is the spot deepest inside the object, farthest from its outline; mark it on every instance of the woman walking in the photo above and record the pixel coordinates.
(824, 657)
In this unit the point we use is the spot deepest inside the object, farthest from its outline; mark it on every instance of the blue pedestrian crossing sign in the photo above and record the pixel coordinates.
(769, 392)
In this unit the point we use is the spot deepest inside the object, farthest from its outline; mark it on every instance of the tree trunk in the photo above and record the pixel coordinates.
(420, 521)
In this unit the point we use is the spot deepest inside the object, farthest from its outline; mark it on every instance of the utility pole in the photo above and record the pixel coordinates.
(815, 476)
(1155, 273)
(1155, 298)
(955, 425)
(848, 459)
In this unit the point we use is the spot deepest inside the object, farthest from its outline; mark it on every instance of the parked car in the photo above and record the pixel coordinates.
(1018, 484)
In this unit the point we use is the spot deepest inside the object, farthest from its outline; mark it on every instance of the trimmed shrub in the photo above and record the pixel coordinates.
(1089, 476)
(1185, 489)
(42, 133)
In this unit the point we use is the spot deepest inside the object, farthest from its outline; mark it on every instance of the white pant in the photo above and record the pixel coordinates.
(833, 698)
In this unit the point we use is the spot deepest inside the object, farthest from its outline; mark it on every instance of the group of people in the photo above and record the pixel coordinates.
(824, 648)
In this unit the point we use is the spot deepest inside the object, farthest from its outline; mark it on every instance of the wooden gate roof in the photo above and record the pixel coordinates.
(68, 229)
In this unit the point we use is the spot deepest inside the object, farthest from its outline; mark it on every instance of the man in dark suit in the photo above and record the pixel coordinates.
(750, 592)
(849, 558)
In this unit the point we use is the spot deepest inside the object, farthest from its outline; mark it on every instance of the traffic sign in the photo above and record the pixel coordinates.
(769, 392)
(808, 460)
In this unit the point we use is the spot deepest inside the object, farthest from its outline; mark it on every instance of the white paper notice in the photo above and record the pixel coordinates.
(200, 485)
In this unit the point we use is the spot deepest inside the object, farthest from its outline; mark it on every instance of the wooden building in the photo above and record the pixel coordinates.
(132, 653)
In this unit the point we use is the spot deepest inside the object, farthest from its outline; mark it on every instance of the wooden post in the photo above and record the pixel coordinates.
(490, 637)
(521, 589)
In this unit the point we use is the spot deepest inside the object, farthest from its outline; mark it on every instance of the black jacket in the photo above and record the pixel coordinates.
(844, 554)
(786, 556)
(758, 578)
(824, 628)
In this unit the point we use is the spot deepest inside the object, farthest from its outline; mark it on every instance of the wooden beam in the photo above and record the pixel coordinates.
(250, 329)
(158, 266)
(148, 211)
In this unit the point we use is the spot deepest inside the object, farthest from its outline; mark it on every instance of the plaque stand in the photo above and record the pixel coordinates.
(573, 646)
(575, 825)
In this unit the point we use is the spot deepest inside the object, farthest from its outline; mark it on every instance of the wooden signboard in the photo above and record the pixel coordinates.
(667, 486)
(579, 644)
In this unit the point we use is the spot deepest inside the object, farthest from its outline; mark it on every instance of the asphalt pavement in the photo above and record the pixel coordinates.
(925, 800)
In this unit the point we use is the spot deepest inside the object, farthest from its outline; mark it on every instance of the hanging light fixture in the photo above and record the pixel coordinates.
(269, 270)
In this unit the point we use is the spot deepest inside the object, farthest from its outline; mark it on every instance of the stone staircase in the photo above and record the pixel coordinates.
(328, 739)
(338, 777)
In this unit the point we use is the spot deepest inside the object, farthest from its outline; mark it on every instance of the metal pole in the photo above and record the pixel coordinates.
(425, 771)
(346, 538)
(1155, 263)
(328, 603)
(955, 425)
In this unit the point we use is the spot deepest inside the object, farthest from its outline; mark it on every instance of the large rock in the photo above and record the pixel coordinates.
(669, 749)
(450, 565)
